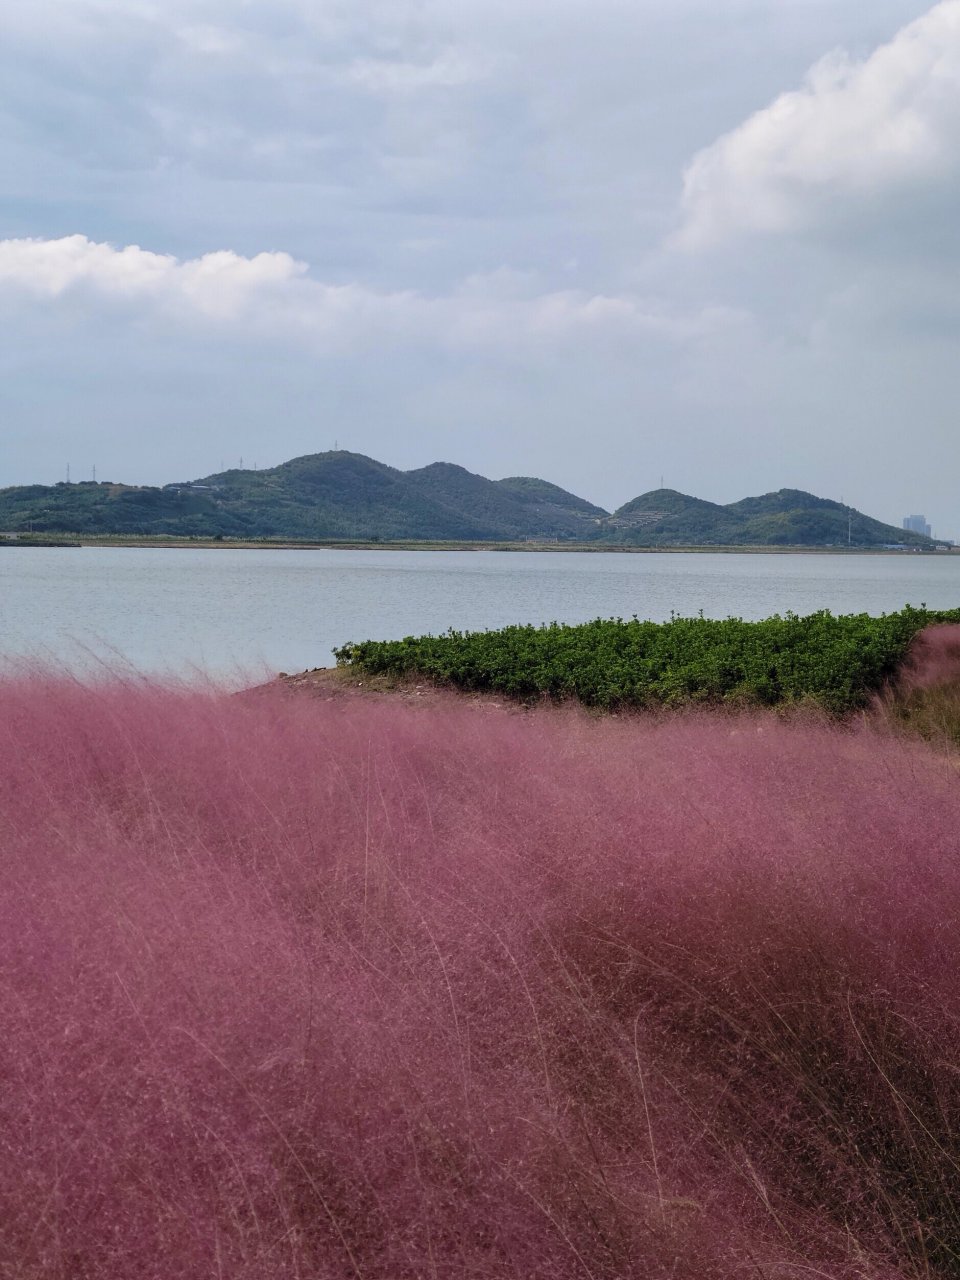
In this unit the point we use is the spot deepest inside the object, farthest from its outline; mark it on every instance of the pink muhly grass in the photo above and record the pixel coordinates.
(933, 658)
(925, 698)
(320, 990)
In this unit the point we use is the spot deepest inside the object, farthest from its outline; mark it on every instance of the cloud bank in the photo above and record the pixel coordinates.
(272, 294)
(856, 134)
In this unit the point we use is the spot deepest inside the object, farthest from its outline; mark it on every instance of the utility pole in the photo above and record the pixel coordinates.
(68, 473)
(849, 524)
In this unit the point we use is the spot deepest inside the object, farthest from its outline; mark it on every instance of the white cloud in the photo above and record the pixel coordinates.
(272, 294)
(220, 284)
(857, 132)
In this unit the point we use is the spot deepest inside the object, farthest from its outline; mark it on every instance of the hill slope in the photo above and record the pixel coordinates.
(342, 495)
(519, 508)
(318, 496)
(787, 518)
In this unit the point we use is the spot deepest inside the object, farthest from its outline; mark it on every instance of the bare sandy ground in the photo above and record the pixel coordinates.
(338, 684)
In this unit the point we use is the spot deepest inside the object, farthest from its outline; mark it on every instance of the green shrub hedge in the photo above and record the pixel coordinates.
(837, 662)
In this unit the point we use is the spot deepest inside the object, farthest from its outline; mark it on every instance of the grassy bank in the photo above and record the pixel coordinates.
(838, 662)
(371, 991)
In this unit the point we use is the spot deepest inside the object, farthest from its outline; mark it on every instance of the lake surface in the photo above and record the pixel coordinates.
(245, 614)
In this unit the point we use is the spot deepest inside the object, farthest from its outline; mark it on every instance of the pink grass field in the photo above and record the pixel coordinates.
(293, 989)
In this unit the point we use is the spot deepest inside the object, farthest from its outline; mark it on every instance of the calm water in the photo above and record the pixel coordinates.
(227, 611)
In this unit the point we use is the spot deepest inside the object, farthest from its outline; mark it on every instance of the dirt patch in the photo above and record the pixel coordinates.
(337, 684)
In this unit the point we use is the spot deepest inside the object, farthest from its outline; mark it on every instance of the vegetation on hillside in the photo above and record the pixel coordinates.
(519, 507)
(837, 662)
(370, 992)
(342, 495)
(319, 496)
(104, 507)
(787, 518)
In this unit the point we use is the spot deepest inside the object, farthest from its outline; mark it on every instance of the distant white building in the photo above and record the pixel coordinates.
(917, 524)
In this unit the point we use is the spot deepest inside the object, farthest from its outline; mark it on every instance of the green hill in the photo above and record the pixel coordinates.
(337, 495)
(522, 508)
(664, 517)
(541, 494)
(318, 496)
(342, 495)
(787, 518)
(97, 508)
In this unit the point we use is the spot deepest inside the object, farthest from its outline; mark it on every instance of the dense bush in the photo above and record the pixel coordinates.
(308, 990)
(838, 662)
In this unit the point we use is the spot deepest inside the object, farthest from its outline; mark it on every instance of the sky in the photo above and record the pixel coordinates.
(606, 242)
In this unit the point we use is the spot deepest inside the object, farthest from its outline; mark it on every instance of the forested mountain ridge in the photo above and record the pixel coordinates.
(343, 495)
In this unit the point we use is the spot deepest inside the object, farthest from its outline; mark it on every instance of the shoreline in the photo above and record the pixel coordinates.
(133, 542)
